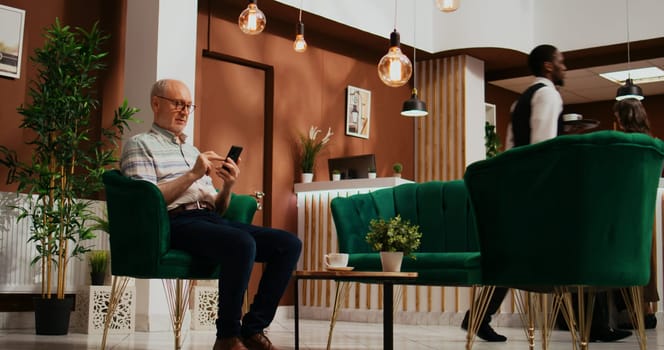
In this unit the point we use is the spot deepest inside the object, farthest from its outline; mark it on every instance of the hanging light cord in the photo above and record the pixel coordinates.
(415, 45)
(300, 17)
(628, 51)
(395, 14)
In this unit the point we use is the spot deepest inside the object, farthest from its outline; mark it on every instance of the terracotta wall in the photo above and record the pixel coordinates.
(42, 14)
(309, 89)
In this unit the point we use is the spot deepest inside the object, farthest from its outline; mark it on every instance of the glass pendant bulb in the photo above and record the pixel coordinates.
(299, 45)
(447, 5)
(252, 20)
(394, 69)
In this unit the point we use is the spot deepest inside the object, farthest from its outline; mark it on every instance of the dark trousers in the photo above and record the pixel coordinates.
(236, 246)
(494, 303)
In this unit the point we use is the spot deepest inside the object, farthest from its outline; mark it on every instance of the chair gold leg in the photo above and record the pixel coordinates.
(525, 303)
(585, 315)
(117, 289)
(477, 311)
(633, 297)
(178, 295)
(339, 297)
(567, 310)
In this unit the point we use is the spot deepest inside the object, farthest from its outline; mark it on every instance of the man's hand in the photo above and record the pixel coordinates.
(204, 163)
(228, 171)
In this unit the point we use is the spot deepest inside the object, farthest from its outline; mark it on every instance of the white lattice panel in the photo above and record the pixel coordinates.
(206, 301)
(91, 307)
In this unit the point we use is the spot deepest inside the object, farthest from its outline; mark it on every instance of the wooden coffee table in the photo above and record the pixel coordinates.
(387, 279)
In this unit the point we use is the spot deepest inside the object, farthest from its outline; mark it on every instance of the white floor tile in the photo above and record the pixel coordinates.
(313, 336)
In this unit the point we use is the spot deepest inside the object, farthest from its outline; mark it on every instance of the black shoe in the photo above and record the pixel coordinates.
(649, 321)
(609, 335)
(485, 332)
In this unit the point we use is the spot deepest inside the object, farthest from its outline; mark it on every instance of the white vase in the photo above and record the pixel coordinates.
(307, 177)
(391, 261)
(336, 177)
(372, 175)
(397, 174)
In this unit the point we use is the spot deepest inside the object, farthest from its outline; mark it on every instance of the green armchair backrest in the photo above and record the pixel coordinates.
(441, 209)
(140, 231)
(576, 209)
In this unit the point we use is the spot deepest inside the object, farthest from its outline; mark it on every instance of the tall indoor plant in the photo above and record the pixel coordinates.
(69, 151)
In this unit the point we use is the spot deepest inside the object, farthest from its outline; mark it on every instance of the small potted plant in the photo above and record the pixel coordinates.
(397, 168)
(372, 173)
(336, 175)
(394, 239)
(98, 260)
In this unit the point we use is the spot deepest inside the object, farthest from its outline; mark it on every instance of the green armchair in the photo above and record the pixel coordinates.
(140, 243)
(574, 211)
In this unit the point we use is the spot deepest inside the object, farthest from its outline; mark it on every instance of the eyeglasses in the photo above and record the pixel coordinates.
(180, 105)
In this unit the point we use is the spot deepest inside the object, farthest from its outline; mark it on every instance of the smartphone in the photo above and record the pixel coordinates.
(234, 153)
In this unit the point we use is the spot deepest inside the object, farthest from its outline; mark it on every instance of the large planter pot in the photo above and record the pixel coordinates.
(52, 315)
(391, 261)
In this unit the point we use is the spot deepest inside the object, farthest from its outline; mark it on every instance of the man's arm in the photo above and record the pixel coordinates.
(228, 171)
(546, 106)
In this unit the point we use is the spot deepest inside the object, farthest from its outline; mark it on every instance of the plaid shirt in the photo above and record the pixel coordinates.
(159, 156)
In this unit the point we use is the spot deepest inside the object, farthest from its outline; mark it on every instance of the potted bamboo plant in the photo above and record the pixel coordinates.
(69, 154)
(394, 239)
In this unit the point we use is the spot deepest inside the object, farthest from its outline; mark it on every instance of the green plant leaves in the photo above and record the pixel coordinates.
(394, 235)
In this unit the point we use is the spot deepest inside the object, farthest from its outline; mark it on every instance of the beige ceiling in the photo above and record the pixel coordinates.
(585, 85)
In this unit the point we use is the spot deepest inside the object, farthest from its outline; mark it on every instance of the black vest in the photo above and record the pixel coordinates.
(521, 117)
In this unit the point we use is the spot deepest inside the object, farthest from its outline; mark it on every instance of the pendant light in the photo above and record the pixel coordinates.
(299, 45)
(629, 90)
(414, 107)
(252, 20)
(394, 69)
(448, 5)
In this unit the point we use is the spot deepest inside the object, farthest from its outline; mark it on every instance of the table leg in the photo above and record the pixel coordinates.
(388, 326)
(296, 317)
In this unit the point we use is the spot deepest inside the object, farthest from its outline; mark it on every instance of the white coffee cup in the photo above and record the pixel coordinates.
(336, 259)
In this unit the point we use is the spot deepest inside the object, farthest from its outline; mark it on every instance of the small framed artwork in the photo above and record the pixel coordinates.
(12, 21)
(358, 112)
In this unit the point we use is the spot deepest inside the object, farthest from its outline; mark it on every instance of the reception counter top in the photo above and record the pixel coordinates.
(350, 184)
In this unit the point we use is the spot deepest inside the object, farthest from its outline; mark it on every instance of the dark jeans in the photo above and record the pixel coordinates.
(494, 303)
(236, 246)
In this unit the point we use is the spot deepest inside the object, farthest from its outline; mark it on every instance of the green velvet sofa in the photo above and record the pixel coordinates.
(449, 251)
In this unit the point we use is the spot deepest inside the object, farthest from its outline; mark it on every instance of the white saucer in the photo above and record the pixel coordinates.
(339, 268)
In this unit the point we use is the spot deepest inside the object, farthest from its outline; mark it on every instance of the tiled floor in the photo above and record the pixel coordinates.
(347, 335)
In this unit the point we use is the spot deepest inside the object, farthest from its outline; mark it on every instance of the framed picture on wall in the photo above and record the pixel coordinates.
(12, 21)
(358, 112)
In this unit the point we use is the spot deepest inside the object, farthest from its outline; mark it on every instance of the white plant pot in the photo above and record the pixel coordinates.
(372, 175)
(307, 177)
(391, 261)
(336, 177)
(397, 174)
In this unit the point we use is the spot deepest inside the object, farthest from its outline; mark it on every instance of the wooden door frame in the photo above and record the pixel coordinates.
(268, 124)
